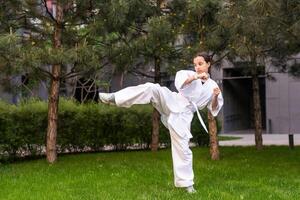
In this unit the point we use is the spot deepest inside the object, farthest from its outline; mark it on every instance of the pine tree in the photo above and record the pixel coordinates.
(56, 40)
(157, 47)
(254, 36)
(286, 23)
(197, 22)
(148, 41)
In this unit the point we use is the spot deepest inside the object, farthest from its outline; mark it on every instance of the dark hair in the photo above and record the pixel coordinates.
(206, 57)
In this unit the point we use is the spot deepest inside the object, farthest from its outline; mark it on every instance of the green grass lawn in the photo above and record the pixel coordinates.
(225, 138)
(242, 173)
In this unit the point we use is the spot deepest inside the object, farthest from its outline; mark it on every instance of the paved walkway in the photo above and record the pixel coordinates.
(268, 139)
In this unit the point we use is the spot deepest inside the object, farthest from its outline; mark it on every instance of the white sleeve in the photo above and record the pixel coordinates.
(218, 108)
(180, 78)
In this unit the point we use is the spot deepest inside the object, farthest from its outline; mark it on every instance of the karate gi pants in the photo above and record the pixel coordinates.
(175, 116)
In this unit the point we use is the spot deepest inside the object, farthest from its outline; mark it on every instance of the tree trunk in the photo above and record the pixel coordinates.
(213, 138)
(54, 93)
(155, 114)
(155, 130)
(120, 80)
(53, 115)
(257, 113)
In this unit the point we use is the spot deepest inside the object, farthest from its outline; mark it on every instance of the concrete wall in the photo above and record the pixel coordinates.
(283, 104)
(281, 101)
(237, 112)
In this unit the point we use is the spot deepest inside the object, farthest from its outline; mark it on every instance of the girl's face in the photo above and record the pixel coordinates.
(201, 65)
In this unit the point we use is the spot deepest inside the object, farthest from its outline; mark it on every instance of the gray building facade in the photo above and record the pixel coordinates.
(280, 100)
(280, 97)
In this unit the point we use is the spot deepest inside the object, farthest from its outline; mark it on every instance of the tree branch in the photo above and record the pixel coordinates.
(74, 74)
(48, 12)
(221, 58)
(48, 74)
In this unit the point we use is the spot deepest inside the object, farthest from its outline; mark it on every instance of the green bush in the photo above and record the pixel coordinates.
(81, 127)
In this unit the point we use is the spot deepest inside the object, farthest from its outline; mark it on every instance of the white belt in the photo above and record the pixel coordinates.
(199, 117)
(198, 113)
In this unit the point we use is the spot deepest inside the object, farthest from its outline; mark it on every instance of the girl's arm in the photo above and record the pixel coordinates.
(196, 76)
(214, 105)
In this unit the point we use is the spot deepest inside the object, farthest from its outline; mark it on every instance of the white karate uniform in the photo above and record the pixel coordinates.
(176, 111)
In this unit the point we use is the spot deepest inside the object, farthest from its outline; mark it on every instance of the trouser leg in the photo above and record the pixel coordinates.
(144, 94)
(182, 160)
(162, 98)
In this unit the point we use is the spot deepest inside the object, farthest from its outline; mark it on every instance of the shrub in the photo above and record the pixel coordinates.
(81, 127)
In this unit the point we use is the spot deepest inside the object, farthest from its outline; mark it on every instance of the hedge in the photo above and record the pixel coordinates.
(81, 127)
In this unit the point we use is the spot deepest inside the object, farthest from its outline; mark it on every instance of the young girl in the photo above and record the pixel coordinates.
(195, 91)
